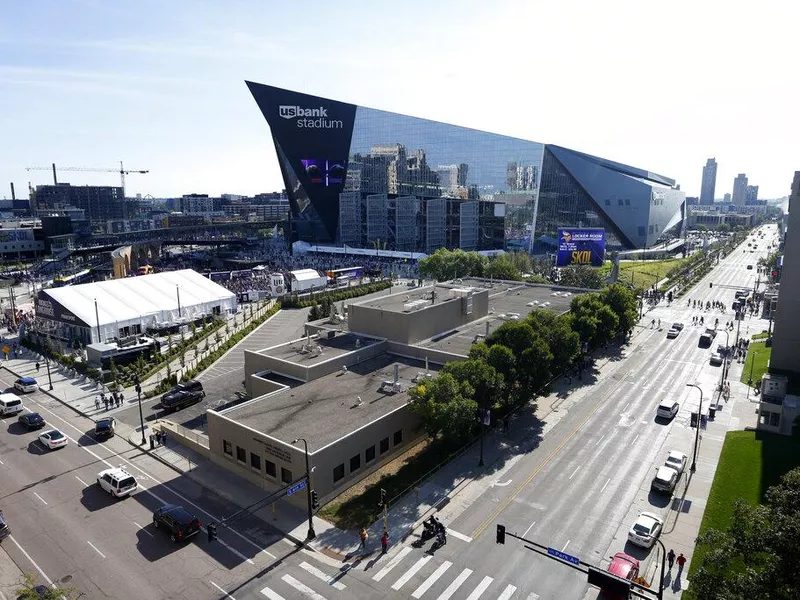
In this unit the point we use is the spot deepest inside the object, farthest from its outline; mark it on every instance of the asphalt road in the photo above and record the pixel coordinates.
(577, 490)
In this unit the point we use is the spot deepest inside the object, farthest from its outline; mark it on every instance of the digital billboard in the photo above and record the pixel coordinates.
(581, 247)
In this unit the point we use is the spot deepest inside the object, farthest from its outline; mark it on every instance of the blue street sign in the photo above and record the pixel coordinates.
(564, 556)
(296, 488)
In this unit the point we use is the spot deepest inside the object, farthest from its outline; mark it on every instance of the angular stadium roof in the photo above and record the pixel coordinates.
(130, 299)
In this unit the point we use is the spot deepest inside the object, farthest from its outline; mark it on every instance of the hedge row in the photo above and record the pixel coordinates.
(336, 296)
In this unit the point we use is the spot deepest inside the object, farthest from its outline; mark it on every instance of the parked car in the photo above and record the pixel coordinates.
(53, 439)
(5, 530)
(676, 460)
(117, 482)
(26, 385)
(31, 421)
(104, 428)
(667, 409)
(10, 404)
(645, 529)
(673, 333)
(182, 395)
(177, 521)
(624, 566)
(665, 480)
(717, 359)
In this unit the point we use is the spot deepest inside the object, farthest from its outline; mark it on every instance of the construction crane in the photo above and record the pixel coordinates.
(122, 172)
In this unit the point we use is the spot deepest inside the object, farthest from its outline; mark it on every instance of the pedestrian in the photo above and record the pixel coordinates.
(105, 402)
(97, 403)
(385, 541)
(671, 558)
(37, 367)
(363, 535)
(681, 560)
(163, 439)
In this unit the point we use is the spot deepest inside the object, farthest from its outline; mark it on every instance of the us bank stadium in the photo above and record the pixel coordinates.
(365, 178)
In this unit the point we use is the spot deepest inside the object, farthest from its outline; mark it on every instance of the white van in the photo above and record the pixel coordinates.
(10, 404)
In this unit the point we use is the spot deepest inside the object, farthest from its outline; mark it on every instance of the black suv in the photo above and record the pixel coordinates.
(104, 428)
(179, 522)
(31, 421)
(183, 395)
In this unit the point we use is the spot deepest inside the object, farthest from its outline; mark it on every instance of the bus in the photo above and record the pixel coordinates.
(144, 270)
(340, 276)
(79, 277)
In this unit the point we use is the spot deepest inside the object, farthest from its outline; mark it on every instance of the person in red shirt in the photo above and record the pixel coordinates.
(681, 560)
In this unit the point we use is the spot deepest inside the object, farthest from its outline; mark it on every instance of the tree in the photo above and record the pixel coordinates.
(446, 407)
(502, 267)
(623, 302)
(581, 276)
(532, 358)
(29, 590)
(485, 381)
(563, 341)
(595, 321)
(447, 264)
(756, 557)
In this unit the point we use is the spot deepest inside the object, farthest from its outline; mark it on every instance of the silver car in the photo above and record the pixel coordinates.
(665, 479)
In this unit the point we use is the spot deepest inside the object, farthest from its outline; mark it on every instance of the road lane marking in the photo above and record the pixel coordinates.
(460, 536)
(478, 591)
(533, 596)
(529, 528)
(411, 572)
(40, 498)
(95, 548)
(227, 595)
(604, 487)
(504, 484)
(83, 483)
(142, 529)
(564, 549)
(33, 562)
(453, 587)
(575, 471)
(624, 410)
(1, 462)
(155, 481)
(322, 575)
(508, 592)
(433, 578)
(392, 564)
(303, 589)
(600, 440)
(272, 595)
(634, 439)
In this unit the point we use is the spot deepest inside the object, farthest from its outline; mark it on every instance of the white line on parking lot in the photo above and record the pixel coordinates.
(83, 483)
(155, 481)
(573, 473)
(605, 486)
(142, 529)
(227, 595)
(40, 498)
(529, 528)
(95, 548)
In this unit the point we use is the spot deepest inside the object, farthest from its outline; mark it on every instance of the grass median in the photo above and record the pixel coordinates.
(756, 362)
(750, 463)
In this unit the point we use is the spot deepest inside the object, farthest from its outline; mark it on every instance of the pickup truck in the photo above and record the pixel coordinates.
(707, 337)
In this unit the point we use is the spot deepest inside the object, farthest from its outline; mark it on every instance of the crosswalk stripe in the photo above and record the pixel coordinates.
(533, 596)
(322, 575)
(426, 585)
(392, 564)
(460, 536)
(303, 589)
(411, 572)
(508, 592)
(451, 589)
(271, 594)
(476, 593)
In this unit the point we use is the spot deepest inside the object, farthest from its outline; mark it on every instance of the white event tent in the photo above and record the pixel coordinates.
(129, 306)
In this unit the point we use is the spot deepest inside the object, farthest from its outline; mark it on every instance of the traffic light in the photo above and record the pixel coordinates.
(212, 532)
(501, 534)
(314, 500)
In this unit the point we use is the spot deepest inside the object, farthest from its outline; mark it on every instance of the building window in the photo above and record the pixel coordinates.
(369, 455)
(627, 201)
(641, 231)
(398, 437)
(338, 473)
(621, 202)
(270, 468)
(227, 448)
(774, 419)
(608, 201)
(384, 445)
(241, 454)
(355, 463)
(255, 462)
(286, 475)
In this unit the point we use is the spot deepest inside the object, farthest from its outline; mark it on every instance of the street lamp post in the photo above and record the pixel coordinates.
(311, 533)
(663, 567)
(724, 362)
(693, 468)
(750, 379)
(139, 396)
(49, 378)
(178, 292)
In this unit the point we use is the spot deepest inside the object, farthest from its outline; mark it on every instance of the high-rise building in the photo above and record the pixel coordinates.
(709, 182)
(371, 178)
(739, 190)
(192, 204)
(100, 203)
(752, 194)
(726, 199)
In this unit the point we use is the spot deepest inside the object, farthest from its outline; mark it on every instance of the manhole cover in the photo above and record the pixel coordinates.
(66, 579)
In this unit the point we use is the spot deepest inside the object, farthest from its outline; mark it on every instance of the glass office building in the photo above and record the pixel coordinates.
(375, 179)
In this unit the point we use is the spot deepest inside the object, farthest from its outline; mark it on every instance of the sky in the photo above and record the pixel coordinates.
(160, 85)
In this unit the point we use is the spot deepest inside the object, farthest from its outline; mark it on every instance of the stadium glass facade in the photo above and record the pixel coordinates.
(370, 178)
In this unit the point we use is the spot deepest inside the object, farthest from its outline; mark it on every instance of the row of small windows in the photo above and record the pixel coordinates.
(17, 248)
(620, 201)
(651, 229)
(270, 468)
(369, 456)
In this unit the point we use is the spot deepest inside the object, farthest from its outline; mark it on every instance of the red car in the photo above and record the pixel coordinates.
(624, 566)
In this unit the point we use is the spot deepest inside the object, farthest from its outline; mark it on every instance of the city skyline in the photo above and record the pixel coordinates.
(87, 84)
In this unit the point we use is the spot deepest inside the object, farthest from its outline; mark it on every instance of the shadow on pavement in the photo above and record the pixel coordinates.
(94, 498)
(87, 439)
(14, 428)
(659, 499)
(155, 545)
(35, 447)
